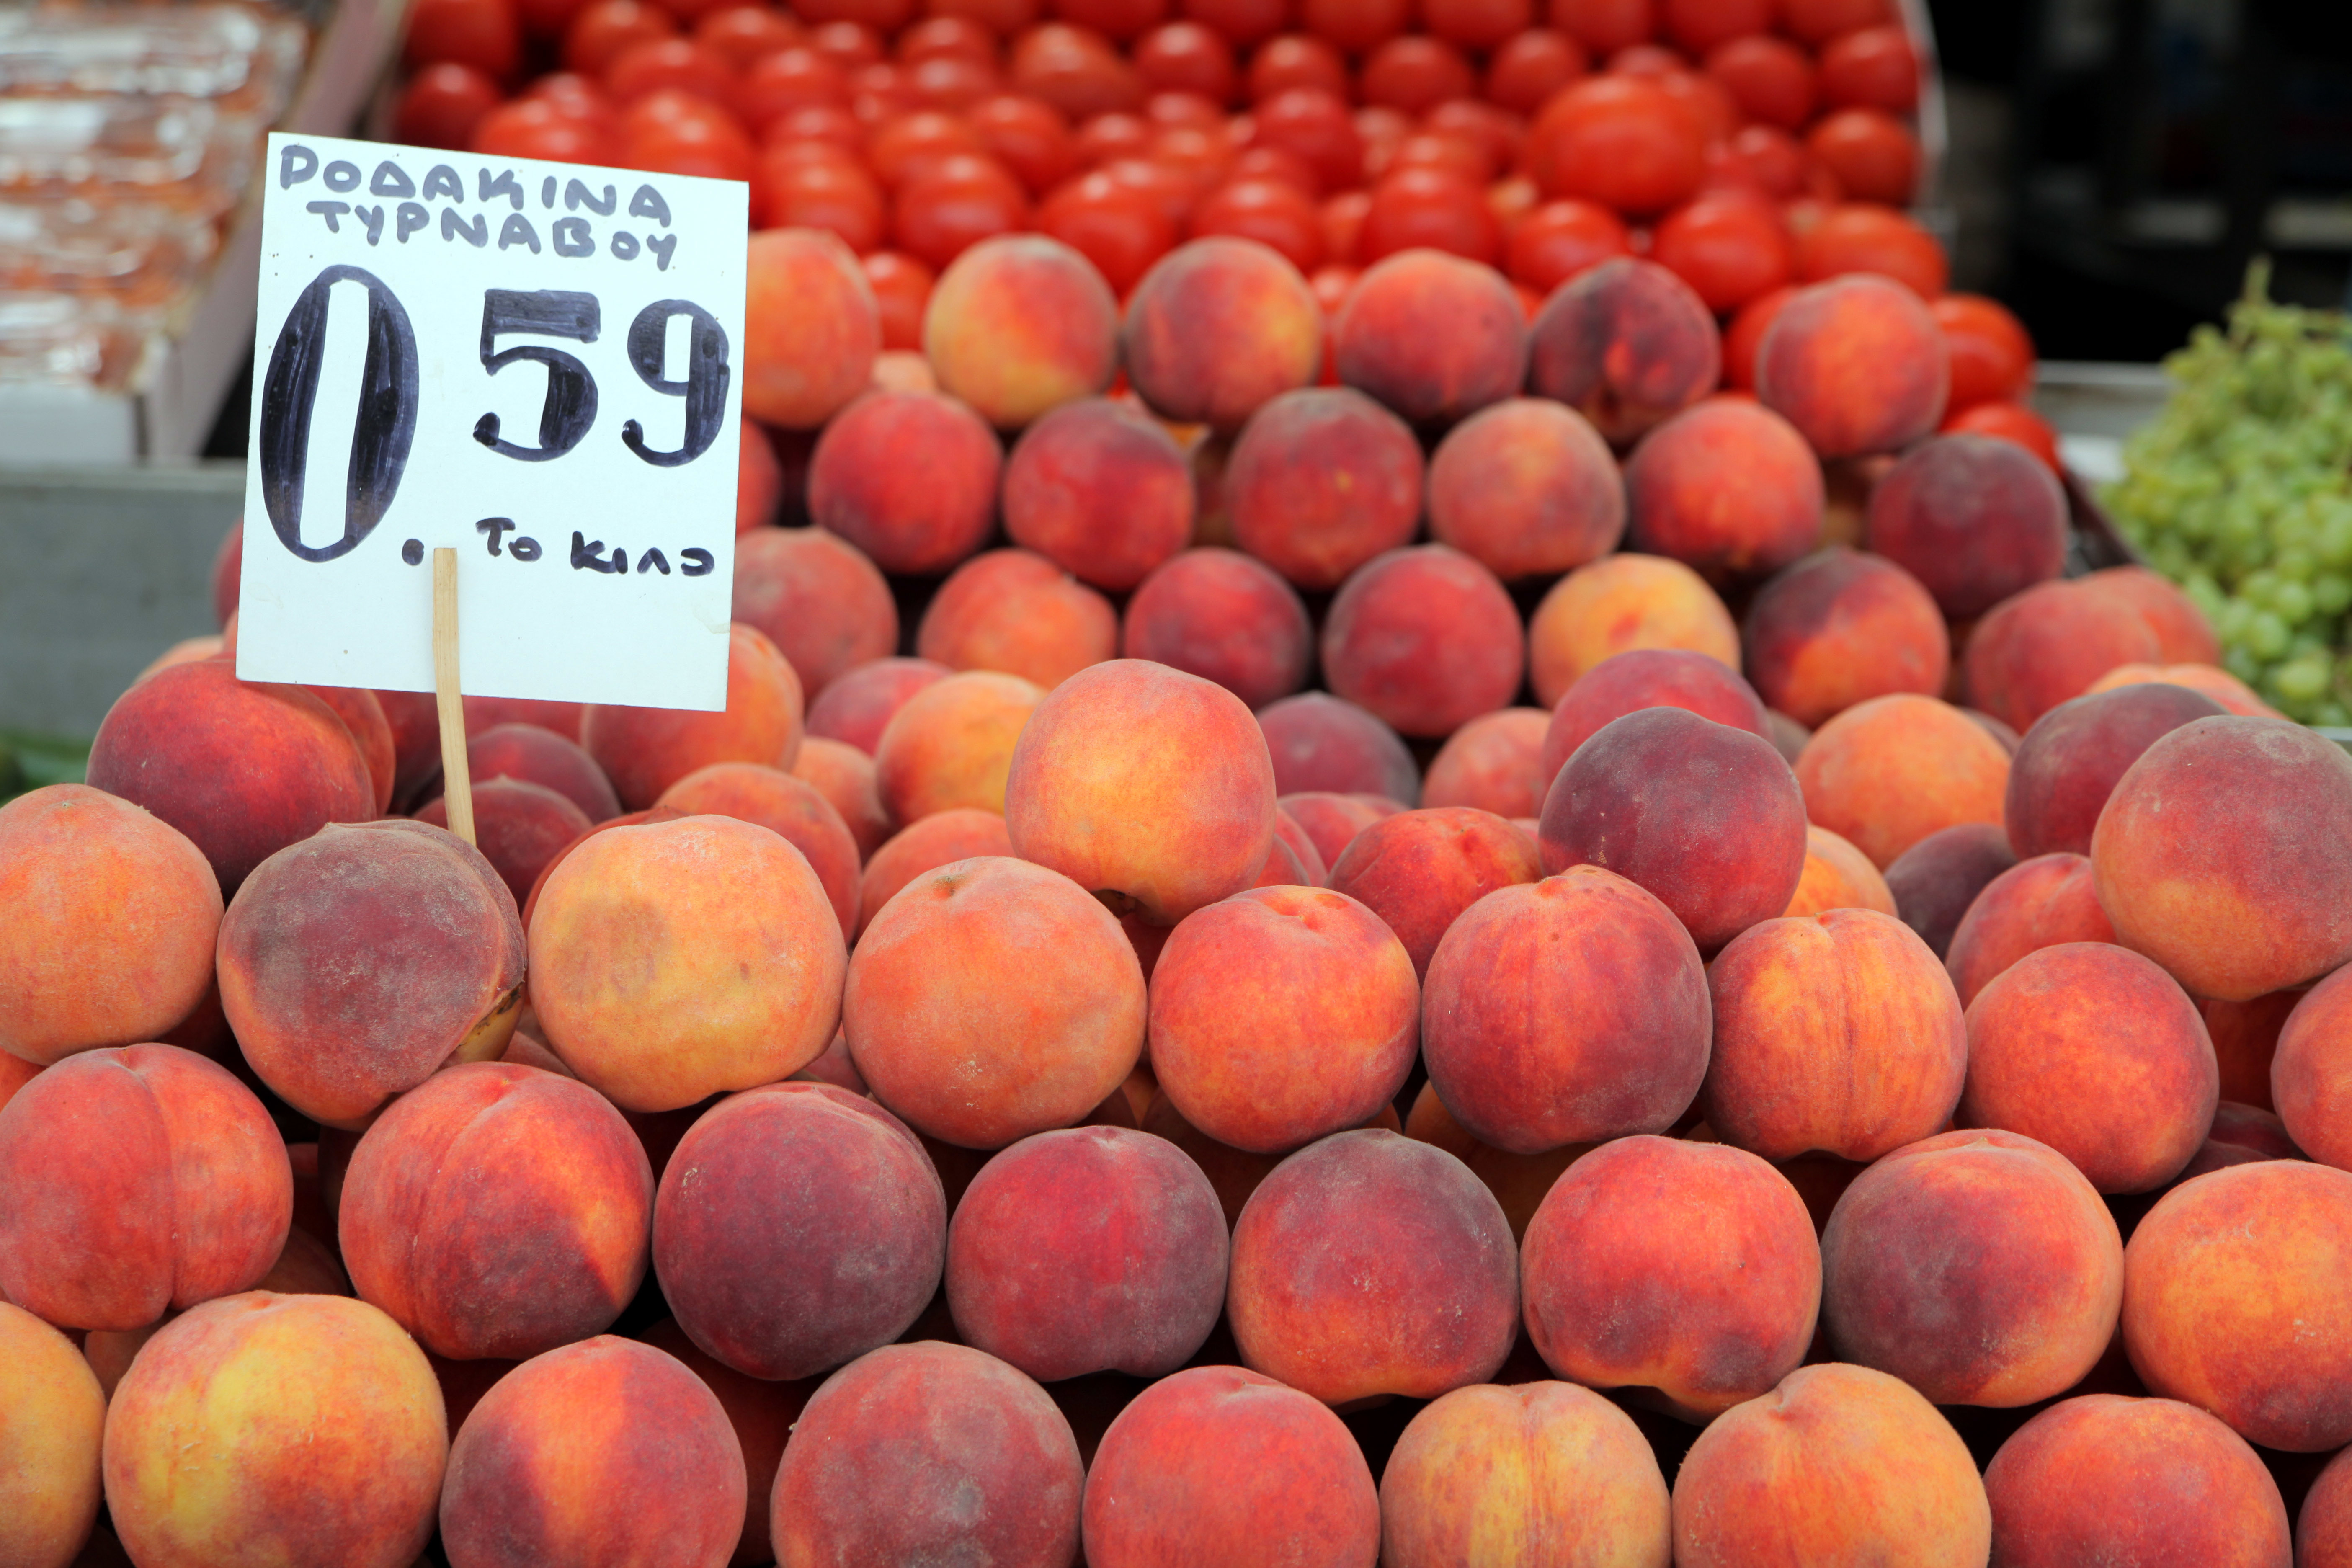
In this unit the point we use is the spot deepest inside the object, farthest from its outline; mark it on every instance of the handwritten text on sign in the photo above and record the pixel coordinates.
(534, 362)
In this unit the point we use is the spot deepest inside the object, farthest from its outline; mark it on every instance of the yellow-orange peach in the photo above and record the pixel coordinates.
(1618, 602)
(1493, 763)
(49, 1444)
(962, 833)
(794, 810)
(1019, 324)
(1887, 772)
(1217, 328)
(1014, 611)
(951, 744)
(647, 749)
(845, 776)
(1837, 875)
(2034, 904)
(811, 326)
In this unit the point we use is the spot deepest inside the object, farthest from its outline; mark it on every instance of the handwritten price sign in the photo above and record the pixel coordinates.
(536, 363)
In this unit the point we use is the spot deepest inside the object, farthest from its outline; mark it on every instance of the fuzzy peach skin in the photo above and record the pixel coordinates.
(1835, 1032)
(1566, 1011)
(1234, 1174)
(951, 744)
(1223, 616)
(2208, 679)
(2245, 1041)
(1144, 783)
(1838, 1464)
(52, 1414)
(2033, 651)
(963, 833)
(928, 1452)
(797, 1227)
(1544, 1474)
(909, 478)
(845, 777)
(603, 1453)
(2094, 1051)
(647, 749)
(1837, 875)
(1978, 1267)
(1016, 611)
(1527, 488)
(306, 1268)
(141, 1179)
(2069, 761)
(792, 808)
(264, 1428)
(761, 1413)
(1220, 1468)
(1841, 628)
(1330, 819)
(1625, 343)
(854, 708)
(1974, 518)
(1726, 487)
(677, 960)
(2183, 634)
(991, 999)
(539, 756)
(1281, 1014)
(16, 1072)
(1620, 603)
(111, 919)
(1687, 1268)
(1434, 336)
(2323, 1529)
(1325, 744)
(1493, 763)
(1418, 870)
(1321, 480)
(519, 826)
(1019, 324)
(1370, 1264)
(2311, 1072)
(1100, 489)
(1887, 772)
(2034, 904)
(818, 598)
(1517, 1181)
(1935, 880)
(1856, 365)
(810, 328)
(2234, 1301)
(1426, 638)
(1628, 682)
(1217, 328)
(2225, 854)
(456, 1223)
(2104, 1479)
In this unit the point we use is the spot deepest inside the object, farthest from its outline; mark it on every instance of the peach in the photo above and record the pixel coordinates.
(2323, 1529)
(673, 961)
(1018, 613)
(1647, 678)
(1223, 616)
(1935, 880)
(1019, 324)
(2069, 761)
(2225, 854)
(1321, 480)
(48, 1443)
(1706, 817)
(2101, 1478)
(1434, 336)
(2183, 634)
(1618, 603)
(1424, 639)
(2034, 904)
(488, 713)
(362, 714)
(242, 769)
(1330, 820)
(859, 704)
(990, 999)
(1290, 836)
(1726, 487)
(1837, 875)
(1517, 1181)
(520, 827)
(907, 477)
(624, 1455)
(355, 963)
(276, 1428)
(540, 756)
(794, 809)
(1887, 772)
(1216, 1467)
(644, 751)
(2311, 1075)
(1856, 365)
(1234, 1174)
(1839, 1464)
(811, 328)
(1527, 488)
(1493, 763)
(1626, 343)
(2234, 1301)
(2240, 1134)
(1975, 518)
(2037, 648)
(1218, 328)
(761, 1413)
(1569, 1011)
(759, 481)
(928, 1452)
(454, 1222)
(16, 1072)
(1093, 1249)
(1979, 1267)
(1689, 1268)
(1101, 490)
(1143, 782)
(1545, 1472)
(2245, 1042)
(652, 814)
(1836, 1032)
(818, 598)
(1839, 627)
(1281, 1014)
(109, 924)
(1320, 744)
(952, 743)
(2234, 695)
(1418, 870)
(1370, 1264)
(962, 833)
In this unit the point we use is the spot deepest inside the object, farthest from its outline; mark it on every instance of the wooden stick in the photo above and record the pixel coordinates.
(456, 782)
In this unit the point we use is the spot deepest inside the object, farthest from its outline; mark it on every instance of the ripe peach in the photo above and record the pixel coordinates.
(1618, 603)
(49, 1444)
(1371, 1264)
(1493, 763)
(1321, 480)
(1935, 880)
(1647, 678)
(242, 769)
(2234, 695)
(2311, 1075)
(1836, 1032)
(484, 713)
(1418, 870)
(2034, 650)
(1974, 519)
(1322, 744)
(520, 827)
(952, 743)
(1526, 488)
(676, 960)
(991, 999)
(362, 714)
(811, 328)
(1726, 487)
(1856, 365)
(1101, 490)
(1219, 327)
(1223, 616)
(1689, 1268)
(1517, 1181)
(2324, 1530)
(908, 478)
(1839, 627)
(540, 756)
(2245, 1041)
(761, 1413)
(818, 598)
(2069, 760)
(1837, 875)
(1887, 772)
(847, 777)
(1626, 343)
(16, 1072)
(2183, 635)
(1019, 324)
(1568, 1011)
(355, 963)
(1434, 336)
(962, 833)
(1331, 820)
(2035, 904)
(645, 751)
(859, 704)
(793, 809)
(1426, 638)
(1012, 611)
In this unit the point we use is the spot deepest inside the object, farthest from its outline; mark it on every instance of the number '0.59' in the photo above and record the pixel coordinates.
(384, 425)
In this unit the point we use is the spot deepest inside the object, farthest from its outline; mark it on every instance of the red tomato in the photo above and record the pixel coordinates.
(442, 104)
(881, 92)
(573, 93)
(1873, 155)
(1028, 138)
(953, 205)
(1316, 127)
(1204, 158)
(741, 34)
(483, 33)
(677, 134)
(1559, 239)
(1118, 20)
(947, 38)
(1169, 189)
(1384, 131)
(1416, 207)
(1186, 57)
(1701, 25)
(1761, 158)
(547, 19)
(902, 288)
(1860, 237)
(949, 82)
(1342, 217)
(1741, 339)
(1651, 60)
(1529, 69)
(1478, 24)
(605, 27)
(1729, 247)
(884, 16)
(664, 65)
(1497, 131)
(1121, 229)
(1355, 27)
(1110, 136)
(691, 12)
(1241, 23)
(1416, 73)
(850, 44)
(536, 128)
(1707, 103)
(902, 147)
(1001, 17)
(1621, 141)
(1992, 357)
(1447, 152)
(1293, 60)
(1272, 212)
(2010, 422)
(1872, 67)
(1770, 79)
(1275, 163)
(790, 79)
(1187, 109)
(1816, 21)
(819, 122)
(1605, 26)
(1077, 72)
(1332, 285)
(830, 191)
(1511, 200)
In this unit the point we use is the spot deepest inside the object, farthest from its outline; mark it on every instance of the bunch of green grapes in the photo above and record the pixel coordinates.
(2241, 492)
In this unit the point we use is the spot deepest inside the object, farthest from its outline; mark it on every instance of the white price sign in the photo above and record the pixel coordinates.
(534, 363)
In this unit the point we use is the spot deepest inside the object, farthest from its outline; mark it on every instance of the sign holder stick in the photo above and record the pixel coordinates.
(456, 782)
